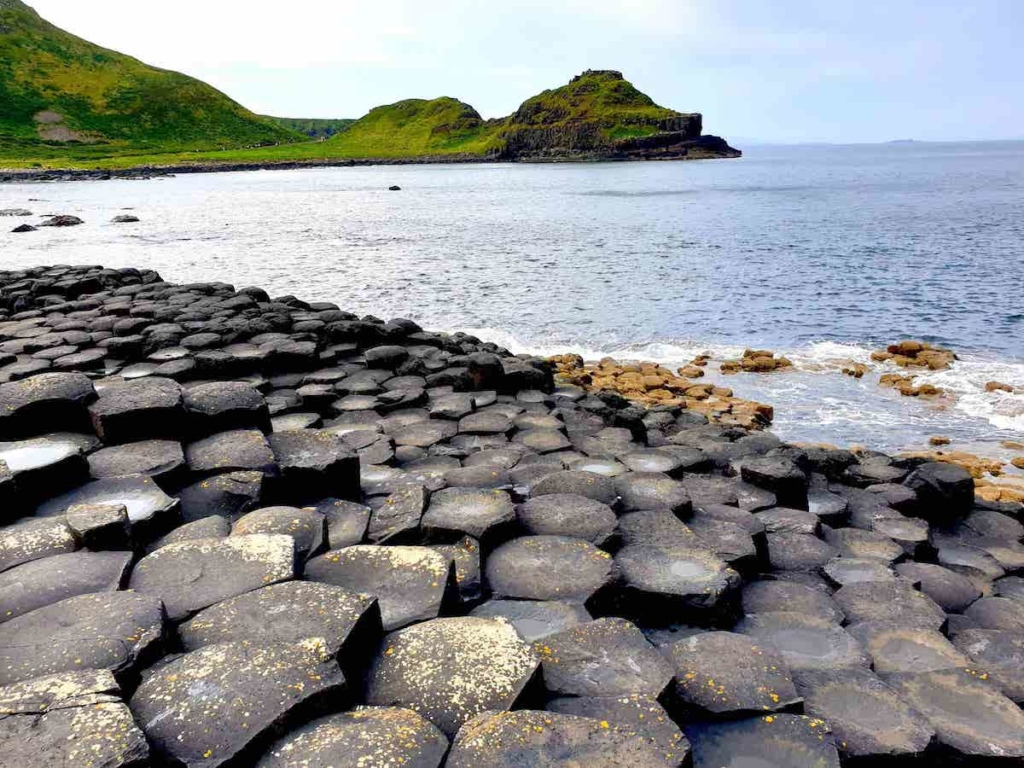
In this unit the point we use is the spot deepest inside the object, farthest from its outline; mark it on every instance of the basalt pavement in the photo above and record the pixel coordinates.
(245, 531)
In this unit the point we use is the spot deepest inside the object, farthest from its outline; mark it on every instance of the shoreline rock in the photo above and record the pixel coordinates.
(254, 530)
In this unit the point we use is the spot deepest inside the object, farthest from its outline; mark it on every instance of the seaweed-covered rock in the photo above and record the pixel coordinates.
(450, 670)
(223, 704)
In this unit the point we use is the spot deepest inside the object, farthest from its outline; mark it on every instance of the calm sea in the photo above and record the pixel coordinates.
(821, 252)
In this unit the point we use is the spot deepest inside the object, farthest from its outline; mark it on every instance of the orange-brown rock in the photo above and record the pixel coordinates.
(916, 354)
(1018, 462)
(997, 386)
(905, 386)
(978, 466)
(856, 370)
(1013, 445)
(756, 361)
(937, 440)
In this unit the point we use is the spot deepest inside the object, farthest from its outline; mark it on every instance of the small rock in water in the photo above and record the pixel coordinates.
(24, 228)
(62, 221)
(124, 218)
(14, 212)
(394, 188)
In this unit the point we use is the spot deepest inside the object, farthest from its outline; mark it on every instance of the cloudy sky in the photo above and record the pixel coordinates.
(770, 70)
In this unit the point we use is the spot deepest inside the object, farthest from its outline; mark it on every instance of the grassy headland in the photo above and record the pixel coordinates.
(68, 104)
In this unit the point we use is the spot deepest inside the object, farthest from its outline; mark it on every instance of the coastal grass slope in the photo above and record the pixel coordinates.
(63, 97)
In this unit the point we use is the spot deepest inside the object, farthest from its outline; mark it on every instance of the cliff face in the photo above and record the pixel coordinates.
(601, 115)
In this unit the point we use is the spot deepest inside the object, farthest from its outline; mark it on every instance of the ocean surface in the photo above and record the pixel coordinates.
(823, 253)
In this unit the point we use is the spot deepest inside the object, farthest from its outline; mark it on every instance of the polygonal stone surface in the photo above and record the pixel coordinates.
(894, 601)
(606, 657)
(191, 575)
(346, 522)
(138, 410)
(34, 539)
(543, 440)
(213, 527)
(577, 482)
(565, 514)
(411, 583)
(852, 542)
(998, 613)
(1000, 654)
(952, 591)
(895, 648)
(656, 582)
(456, 511)
(548, 568)
(100, 526)
(723, 672)
(42, 582)
(147, 505)
(229, 495)
(450, 670)
(107, 630)
(868, 719)
(398, 516)
(778, 475)
(45, 402)
(786, 520)
(154, 458)
(220, 406)
(806, 642)
(465, 553)
(842, 571)
(236, 450)
(42, 466)
(306, 527)
(547, 740)
(425, 434)
(535, 619)
(944, 491)
(970, 716)
(69, 719)
(348, 622)
(769, 596)
(798, 552)
(652, 490)
(221, 704)
(314, 463)
(366, 736)
(640, 714)
(769, 741)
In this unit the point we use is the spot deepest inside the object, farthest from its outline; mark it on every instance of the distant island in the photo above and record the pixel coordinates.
(68, 104)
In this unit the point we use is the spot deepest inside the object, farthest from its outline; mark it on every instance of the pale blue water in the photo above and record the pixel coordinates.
(821, 252)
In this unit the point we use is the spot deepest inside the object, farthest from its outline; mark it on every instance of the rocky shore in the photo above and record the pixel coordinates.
(250, 531)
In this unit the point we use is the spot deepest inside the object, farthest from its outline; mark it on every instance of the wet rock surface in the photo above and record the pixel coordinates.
(232, 521)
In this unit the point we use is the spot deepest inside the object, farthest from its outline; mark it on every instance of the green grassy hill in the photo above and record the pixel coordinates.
(58, 90)
(314, 128)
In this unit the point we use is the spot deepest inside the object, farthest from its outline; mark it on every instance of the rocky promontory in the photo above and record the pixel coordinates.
(245, 530)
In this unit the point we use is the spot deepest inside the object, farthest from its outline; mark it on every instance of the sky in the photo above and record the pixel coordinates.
(759, 70)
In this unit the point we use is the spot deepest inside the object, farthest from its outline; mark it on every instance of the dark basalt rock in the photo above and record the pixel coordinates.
(971, 718)
(895, 648)
(191, 575)
(997, 613)
(45, 403)
(580, 483)
(465, 553)
(62, 220)
(398, 517)
(52, 579)
(640, 714)
(725, 673)
(606, 657)
(945, 492)
(567, 515)
(411, 583)
(484, 515)
(69, 719)
(117, 631)
(771, 596)
(212, 527)
(870, 722)
(223, 704)
(652, 490)
(34, 539)
(162, 460)
(100, 526)
(148, 408)
(221, 406)
(451, 670)
(889, 601)
(785, 520)
(149, 508)
(952, 591)
(798, 552)
(307, 528)
(346, 522)
(805, 642)
(769, 741)
(229, 495)
(366, 736)
(780, 476)
(43, 466)
(548, 568)
(546, 740)
(535, 619)
(1000, 653)
(237, 450)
